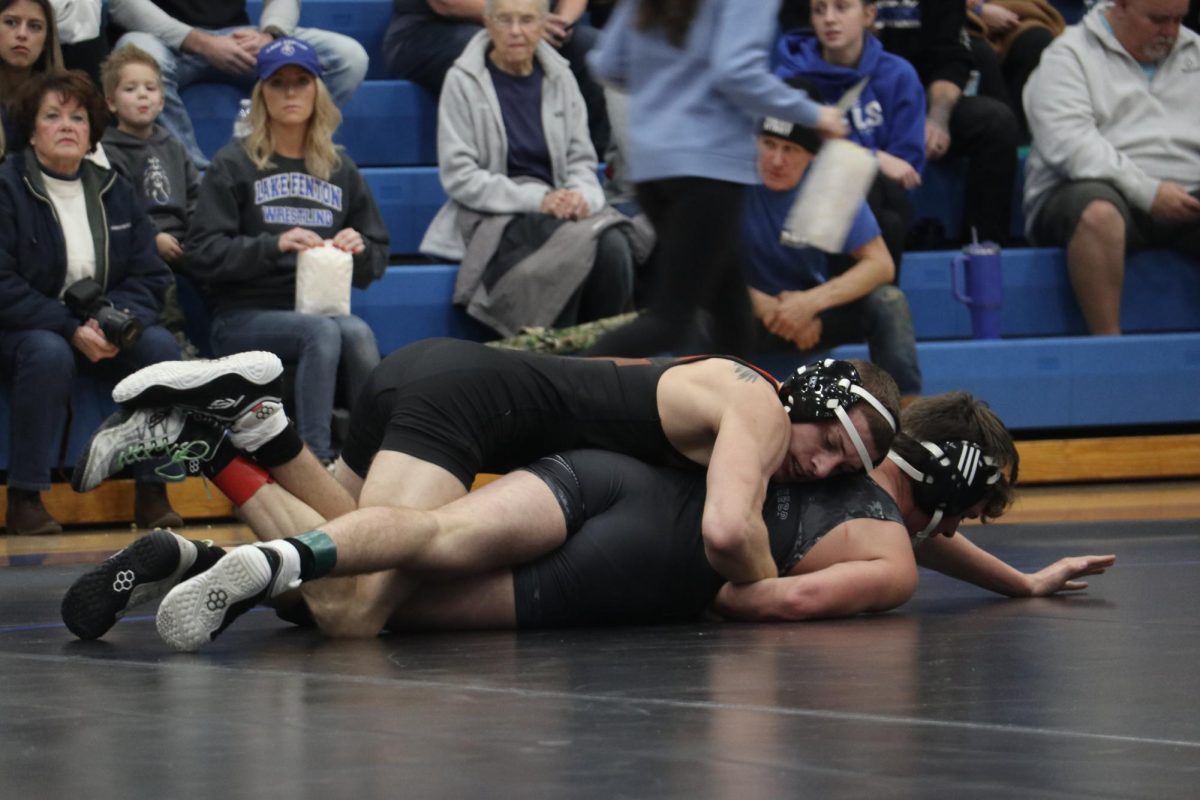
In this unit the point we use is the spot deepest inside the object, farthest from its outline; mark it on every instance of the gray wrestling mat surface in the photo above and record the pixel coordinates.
(958, 694)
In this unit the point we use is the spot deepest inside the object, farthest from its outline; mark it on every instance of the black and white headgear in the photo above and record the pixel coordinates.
(825, 390)
(950, 478)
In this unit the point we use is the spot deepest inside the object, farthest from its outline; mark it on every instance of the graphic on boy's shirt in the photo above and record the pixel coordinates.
(155, 183)
(298, 186)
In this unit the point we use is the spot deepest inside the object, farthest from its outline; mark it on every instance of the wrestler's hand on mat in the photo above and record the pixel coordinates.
(1064, 574)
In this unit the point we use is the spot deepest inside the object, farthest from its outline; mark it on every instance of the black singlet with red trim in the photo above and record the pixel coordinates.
(470, 408)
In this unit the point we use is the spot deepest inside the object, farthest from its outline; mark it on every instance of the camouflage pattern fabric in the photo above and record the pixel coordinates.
(563, 341)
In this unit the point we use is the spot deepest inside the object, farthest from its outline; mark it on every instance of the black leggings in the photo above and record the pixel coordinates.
(695, 267)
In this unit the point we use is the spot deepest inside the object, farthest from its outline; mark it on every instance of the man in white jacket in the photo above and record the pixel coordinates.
(1115, 163)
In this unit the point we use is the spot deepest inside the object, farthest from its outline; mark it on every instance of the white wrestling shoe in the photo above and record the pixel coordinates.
(196, 611)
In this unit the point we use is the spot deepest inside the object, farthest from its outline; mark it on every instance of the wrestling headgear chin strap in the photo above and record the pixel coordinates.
(952, 477)
(825, 390)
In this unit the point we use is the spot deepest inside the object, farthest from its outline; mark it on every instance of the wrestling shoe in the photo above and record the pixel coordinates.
(190, 445)
(141, 573)
(243, 390)
(196, 611)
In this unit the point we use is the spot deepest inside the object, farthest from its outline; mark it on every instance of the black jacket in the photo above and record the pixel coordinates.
(33, 252)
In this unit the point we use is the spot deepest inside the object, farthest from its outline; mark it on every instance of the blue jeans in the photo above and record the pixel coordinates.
(343, 60)
(317, 345)
(884, 320)
(41, 366)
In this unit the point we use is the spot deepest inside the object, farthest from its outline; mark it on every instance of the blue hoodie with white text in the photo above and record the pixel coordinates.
(890, 113)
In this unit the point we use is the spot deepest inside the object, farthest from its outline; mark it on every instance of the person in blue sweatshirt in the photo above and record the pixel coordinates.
(697, 76)
(888, 117)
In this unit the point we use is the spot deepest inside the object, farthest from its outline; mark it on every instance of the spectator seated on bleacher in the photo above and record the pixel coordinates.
(213, 41)
(1115, 120)
(887, 118)
(798, 303)
(1008, 36)
(69, 230)
(151, 159)
(83, 45)
(28, 47)
(929, 34)
(284, 189)
(425, 38)
(525, 214)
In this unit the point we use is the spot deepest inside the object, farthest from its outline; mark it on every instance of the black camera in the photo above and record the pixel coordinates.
(85, 299)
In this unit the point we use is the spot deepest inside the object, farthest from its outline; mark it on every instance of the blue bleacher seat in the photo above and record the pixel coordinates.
(1062, 382)
(386, 123)
(1162, 293)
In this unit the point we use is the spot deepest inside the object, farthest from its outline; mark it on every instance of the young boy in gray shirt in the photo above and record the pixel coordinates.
(153, 160)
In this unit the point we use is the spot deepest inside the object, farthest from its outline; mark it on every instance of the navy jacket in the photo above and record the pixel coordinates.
(33, 252)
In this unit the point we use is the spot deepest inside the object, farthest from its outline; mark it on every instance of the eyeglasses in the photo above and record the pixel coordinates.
(523, 21)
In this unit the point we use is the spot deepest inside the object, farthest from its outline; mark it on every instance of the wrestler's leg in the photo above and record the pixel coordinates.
(475, 603)
(351, 606)
(511, 520)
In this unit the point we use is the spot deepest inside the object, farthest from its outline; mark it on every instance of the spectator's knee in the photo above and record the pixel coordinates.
(1101, 219)
(48, 360)
(321, 337)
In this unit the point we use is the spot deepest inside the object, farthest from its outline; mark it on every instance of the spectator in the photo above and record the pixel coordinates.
(1016, 32)
(83, 46)
(514, 156)
(930, 34)
(797, 301)
(888, 118)
(152, 159)
(284, 189)
(425, 37)
(64, 219)
(697, 77)
(1114, 118)
(28, 47)
(213, 41)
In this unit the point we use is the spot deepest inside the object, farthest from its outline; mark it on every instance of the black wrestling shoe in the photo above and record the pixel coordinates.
(196, 611)
(141, 573)
(243, 390)
(187, 442)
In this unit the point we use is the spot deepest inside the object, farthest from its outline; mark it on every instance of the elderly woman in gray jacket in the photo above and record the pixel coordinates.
(518, 165)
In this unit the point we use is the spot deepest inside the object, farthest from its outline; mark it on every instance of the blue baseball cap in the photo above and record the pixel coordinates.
(284, 51)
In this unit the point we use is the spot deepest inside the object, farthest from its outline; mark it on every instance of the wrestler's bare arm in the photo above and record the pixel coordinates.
(960, 558)
(749, 436)
(863, 565)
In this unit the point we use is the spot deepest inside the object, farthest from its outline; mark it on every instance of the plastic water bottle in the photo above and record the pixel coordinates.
(241, 123)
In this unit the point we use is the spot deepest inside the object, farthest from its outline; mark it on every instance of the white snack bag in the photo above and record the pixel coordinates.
(323, 276)
(837, 184)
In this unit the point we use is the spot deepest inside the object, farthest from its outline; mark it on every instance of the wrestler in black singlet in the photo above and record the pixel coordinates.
(634, 552)
(470, 408)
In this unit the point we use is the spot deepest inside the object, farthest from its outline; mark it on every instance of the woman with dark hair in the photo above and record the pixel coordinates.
(28, 46)
(697, 76)
(70, 231)
(284, 189)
